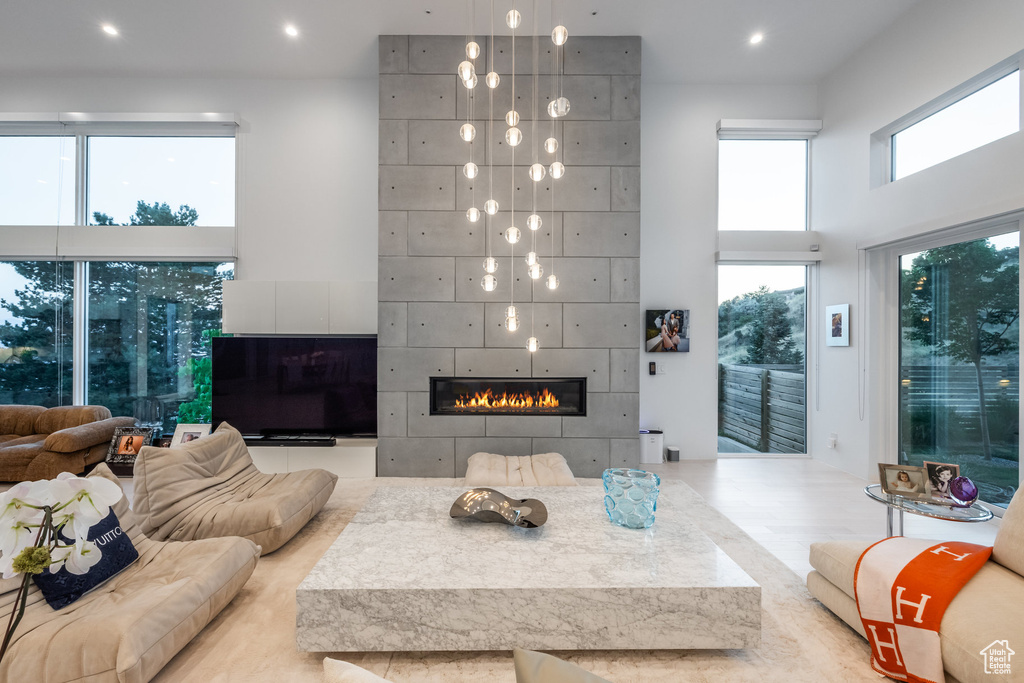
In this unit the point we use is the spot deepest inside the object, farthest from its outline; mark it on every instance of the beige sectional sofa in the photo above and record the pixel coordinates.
(128, 628)
(40, 443)
(989, 608)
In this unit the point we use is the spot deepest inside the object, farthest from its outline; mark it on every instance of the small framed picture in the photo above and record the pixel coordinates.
(184, 433)
(668, 330)
(939, 476)
(125, 447)
(837, 325)
(904, 480)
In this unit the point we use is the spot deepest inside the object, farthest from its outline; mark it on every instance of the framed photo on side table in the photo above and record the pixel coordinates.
(184, 433)
(125, 447)
(904, 480)
(837, 325)
(939, 476)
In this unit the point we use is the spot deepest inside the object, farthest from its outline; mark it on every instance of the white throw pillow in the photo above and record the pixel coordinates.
(337, 671)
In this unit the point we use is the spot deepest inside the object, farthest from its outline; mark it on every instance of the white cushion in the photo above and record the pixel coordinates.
(542, 469)
(337, 671)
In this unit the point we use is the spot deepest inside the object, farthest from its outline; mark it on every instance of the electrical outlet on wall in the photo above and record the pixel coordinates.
(832, 439)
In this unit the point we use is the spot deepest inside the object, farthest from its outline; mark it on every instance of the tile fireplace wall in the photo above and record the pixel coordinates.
(436, 320)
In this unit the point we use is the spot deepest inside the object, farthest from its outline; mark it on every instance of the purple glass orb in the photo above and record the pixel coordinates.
(963, 491)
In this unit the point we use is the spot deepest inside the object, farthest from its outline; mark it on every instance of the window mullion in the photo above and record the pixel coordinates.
(80, 285)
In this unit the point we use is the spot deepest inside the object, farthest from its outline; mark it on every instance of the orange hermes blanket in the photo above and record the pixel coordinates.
(903, 586)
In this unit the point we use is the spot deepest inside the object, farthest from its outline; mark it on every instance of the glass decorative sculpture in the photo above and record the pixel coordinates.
(488, 505)
(631, 496)
(963, 491)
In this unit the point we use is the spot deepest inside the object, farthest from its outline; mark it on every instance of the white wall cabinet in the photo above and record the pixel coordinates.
(349, 459)
(300, 307)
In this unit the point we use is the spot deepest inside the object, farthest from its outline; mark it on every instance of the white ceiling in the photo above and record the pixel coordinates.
(694, 41)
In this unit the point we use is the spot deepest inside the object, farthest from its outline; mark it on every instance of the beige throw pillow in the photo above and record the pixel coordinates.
(537, 667)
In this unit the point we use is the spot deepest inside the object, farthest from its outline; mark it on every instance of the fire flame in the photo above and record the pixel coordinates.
(522, 401)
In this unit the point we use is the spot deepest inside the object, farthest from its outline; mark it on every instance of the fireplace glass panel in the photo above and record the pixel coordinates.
(508, 396)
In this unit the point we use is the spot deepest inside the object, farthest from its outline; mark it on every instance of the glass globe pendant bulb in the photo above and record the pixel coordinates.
(472, 49)
(532, 344)
(551, 145)
(492, 79)
(470, 170)
(467, 132)
(473, 214)
(512, 235)
(558, 108)
(490, 264)
(535, 271)
(512, 324)
(531, 258)
(488, 282)
(490, 207)
(513, 18)
(537, 172)
(511, 312)
(534, 222)
(512, 117)
(466, 70)
(471, 83)
(557, 170)
(552, 282)
(559, 35)
(513, 136)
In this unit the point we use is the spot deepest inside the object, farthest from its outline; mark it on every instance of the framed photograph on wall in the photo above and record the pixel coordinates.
(184, 433)
(904, 480)
(939, 476)
(125, 447)
(837, 325)
(668, 330)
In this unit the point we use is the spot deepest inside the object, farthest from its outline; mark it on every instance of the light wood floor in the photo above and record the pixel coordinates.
(786, 504)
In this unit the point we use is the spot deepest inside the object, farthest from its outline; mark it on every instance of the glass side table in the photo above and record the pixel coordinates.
(974, 513)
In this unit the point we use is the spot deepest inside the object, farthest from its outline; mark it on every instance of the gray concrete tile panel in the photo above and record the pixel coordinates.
(601, 234)
(393, 54)
(425, 188)
(422, 423)
(416, 457)
(392, 233)
(602, 55)
(416, 96)
(392, 413)
(392, 323)
(444, 233)
(446, 324)
(625, 279)
(416, 278)
(589, 363)
(587, 458)
(403, 369)
(604, 326)
(601, 143)
(608, 415)
(492, 362)
(624, 373)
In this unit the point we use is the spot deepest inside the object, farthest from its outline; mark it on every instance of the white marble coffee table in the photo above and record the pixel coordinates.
(404, 576)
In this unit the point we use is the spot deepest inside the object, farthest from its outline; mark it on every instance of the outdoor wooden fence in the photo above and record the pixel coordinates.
(763, 407)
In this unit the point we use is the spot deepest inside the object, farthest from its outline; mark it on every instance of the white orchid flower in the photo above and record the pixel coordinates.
(77, 558)
(89, 501)
(19, 520)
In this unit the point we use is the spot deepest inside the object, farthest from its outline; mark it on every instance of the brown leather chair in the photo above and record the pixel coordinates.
(40, 443)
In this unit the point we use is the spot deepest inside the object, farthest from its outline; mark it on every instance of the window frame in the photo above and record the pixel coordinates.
(879, 392)
(80, 243)
(882, 150)
(778, 130)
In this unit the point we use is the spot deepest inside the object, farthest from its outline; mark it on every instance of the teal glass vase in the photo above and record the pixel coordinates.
(631, 496)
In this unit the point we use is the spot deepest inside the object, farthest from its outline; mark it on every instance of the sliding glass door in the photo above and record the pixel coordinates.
(959, 361)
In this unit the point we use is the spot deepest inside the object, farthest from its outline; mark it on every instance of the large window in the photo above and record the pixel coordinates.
(132, 334)
(959, 361)
(986, 115)
(35, 332)
(762, 184)
(761, 359)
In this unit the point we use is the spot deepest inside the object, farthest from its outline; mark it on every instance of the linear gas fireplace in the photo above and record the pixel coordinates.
(508, 396)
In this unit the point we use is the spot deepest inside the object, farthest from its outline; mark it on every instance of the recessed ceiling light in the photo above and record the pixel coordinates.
(756, 38)
(109, 29)
(291, 30)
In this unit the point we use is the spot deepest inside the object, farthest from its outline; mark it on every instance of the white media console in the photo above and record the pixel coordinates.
(349, 458)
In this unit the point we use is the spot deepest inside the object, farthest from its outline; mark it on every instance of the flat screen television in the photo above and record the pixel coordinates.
(296, 386)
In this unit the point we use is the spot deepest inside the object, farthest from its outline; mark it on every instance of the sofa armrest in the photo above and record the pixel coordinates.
(75, 439)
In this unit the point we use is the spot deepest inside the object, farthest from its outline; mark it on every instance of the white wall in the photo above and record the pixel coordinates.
(307, 177)
(679, 224)
(933, 48)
